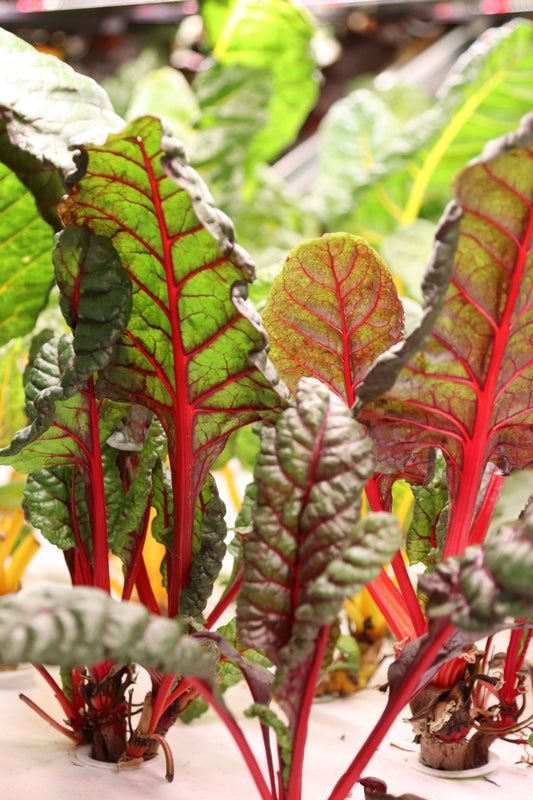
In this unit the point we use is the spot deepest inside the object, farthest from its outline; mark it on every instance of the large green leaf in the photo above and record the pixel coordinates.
(486, 95)
(272, 35)
(331, 311)
(194, 351)
(233, 101)
(26, 272)
(468, 391)
(43, 182)
(310, 475)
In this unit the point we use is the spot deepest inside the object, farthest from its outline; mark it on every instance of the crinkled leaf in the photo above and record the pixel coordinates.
(375, 541)
(331, 311)
(140, 468)
(310, 475)
(95, 297)
(26, 273)
(268, 717)
(430, 516)
(209, 549)
(490, 585)
(71, 627)
(43, 182)
(272, 35)
(60, 430)
(47, 107)
(468, 391)
(56, 504)
(194, 351)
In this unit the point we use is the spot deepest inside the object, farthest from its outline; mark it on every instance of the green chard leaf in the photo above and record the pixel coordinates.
(95, 297)
(209, 549)
(194, 351)
(26, 273)
(331, 311)
(269, 35)
(310, 475)
(467, 391)
(233, 101)
(68, 627)
(484, 96)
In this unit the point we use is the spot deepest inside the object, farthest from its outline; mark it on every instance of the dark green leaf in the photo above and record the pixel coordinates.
(209, 550)
(430, 515)
(95, 298)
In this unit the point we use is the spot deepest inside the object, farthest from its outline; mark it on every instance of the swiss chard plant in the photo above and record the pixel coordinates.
(158, 357)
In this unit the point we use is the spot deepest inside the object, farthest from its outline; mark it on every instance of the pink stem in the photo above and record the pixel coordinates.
(225, 601)
(161, 700)
(100, 545)
(483, 519)
(76, 737)
(395, 705)
(300, 737)
(409, 594)
(237, 736)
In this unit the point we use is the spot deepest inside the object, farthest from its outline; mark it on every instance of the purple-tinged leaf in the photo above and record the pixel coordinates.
(310, 475)
(468, 391)
(331, 311)
(194, 351)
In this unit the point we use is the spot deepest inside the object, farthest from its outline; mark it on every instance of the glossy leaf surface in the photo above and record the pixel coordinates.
(331, 311)
(468, 392)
